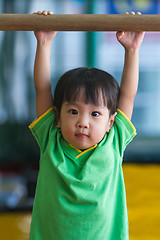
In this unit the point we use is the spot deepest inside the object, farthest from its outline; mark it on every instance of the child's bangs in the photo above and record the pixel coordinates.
(88, 91)
(90, 85)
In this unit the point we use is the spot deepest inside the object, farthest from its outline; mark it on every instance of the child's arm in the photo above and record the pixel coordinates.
(131, 41)
(42, 81)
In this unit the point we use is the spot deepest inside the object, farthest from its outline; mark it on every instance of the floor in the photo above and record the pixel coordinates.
(143, 199)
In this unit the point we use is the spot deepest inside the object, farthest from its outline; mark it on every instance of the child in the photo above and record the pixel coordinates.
(82, 136)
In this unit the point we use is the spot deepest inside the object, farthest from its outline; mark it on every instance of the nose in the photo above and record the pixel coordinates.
(83, 123)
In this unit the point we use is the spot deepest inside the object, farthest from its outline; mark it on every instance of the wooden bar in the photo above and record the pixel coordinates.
(79, 22)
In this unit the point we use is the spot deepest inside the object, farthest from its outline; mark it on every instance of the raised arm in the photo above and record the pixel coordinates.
(42, 80)
(131, 42)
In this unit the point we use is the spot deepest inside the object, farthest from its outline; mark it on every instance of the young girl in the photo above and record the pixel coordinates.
(82, 136)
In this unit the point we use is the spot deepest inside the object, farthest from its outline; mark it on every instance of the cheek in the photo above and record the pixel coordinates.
(103, 129)
(99, 130)
(67, 131)
(66, 126)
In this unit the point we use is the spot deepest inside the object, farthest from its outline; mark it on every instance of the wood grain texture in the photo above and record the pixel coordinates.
(79, 22)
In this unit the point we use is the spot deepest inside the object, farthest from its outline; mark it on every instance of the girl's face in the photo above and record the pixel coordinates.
(84, 125)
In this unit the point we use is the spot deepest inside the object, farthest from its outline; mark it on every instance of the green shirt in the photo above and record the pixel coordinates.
(80, 195)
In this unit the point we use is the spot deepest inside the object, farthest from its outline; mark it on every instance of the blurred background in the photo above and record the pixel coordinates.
(19, 152)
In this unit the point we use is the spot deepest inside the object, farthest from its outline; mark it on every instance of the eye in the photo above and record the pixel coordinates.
(95, 114)
(73, 111)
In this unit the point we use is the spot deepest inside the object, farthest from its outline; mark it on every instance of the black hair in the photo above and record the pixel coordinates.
(92, 81)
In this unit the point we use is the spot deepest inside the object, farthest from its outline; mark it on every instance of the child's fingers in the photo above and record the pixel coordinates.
(120, 35)
(133, 13)
(36, 12)
(45, 13)
(50, 12)
(39, 12)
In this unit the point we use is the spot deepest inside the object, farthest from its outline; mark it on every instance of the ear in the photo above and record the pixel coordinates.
(58, 124)
(111, 120)
(57, 118)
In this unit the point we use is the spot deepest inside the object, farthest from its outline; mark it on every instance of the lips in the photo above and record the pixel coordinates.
(81, 135)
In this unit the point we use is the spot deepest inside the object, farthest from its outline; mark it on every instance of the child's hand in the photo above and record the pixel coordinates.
(130, 40)
(45, 35)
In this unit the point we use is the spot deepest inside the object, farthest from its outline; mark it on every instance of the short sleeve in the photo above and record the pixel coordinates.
(124, 132)
(41, 127)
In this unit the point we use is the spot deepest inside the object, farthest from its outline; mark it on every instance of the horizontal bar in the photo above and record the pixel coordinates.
(79, 22)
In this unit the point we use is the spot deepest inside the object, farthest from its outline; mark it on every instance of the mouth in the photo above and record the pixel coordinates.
(81, 135)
